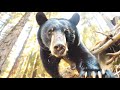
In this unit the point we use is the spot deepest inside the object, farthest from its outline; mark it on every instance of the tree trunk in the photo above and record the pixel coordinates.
(20, 66)
(11, 38)
(9, 24)
(31, 64)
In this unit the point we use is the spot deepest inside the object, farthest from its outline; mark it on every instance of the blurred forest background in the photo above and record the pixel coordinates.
(19, 49)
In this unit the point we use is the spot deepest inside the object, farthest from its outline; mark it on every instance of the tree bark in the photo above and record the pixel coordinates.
(107, 44)
(9, 41)
(31, 64)
(20, 66)
(8, 25)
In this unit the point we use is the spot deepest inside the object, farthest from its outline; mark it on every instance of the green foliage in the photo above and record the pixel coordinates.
(90, 36)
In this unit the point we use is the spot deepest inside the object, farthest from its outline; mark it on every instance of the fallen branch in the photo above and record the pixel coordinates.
(117, 73)
(115, 56)
(111, 60)
(100, 44)
(107, 44)
(116, 29)
(108, 36)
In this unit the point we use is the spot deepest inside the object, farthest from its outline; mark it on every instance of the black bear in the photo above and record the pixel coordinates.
(59, 39)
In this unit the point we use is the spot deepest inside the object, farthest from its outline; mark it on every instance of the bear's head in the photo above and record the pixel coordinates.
(57, 34)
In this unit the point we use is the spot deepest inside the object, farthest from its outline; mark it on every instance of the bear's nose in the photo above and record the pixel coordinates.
(59, 48)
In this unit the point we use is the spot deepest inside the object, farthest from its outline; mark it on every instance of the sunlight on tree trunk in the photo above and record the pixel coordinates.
(8, 43)
(22, 40)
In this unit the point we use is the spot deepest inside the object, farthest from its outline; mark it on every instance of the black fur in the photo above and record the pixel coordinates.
(77, 52)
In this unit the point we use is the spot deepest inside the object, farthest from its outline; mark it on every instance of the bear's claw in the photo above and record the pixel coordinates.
(96, 74)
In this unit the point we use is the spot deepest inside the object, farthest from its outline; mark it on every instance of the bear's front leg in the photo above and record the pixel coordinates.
(88, 65)
(91, 69)
(50, 63)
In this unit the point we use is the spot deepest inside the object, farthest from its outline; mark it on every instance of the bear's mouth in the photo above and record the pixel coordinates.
(60, 51)
(60, 54)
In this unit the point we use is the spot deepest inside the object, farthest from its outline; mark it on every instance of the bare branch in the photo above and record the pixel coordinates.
(117, 73)
(102, 33)
(100, 44)
(111, 60)
(114, 54)
(107, 44)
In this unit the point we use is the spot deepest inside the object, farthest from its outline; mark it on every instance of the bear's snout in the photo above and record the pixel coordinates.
(59, 49)
(58, 45)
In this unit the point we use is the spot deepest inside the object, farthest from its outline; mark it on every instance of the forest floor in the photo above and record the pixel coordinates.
(66, 71)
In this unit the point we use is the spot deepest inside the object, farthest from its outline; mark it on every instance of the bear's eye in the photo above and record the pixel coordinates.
(66, 30)
(73, 32)
(50, 31)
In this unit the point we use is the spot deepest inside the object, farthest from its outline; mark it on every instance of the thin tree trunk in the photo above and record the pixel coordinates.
(9, 41)
(35, 69)
(9, 24)
(21, 62)
(30, 67)
(18, 61)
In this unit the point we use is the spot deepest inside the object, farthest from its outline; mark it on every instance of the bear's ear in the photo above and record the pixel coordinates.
(41, 18)
(75, 18)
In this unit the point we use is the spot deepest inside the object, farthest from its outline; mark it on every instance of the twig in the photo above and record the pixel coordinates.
(111, 60)
(108, 36)
(107, 44)
(100, 44)
(114, 54)
(102, 33)
(116, 29)
(117, 73)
